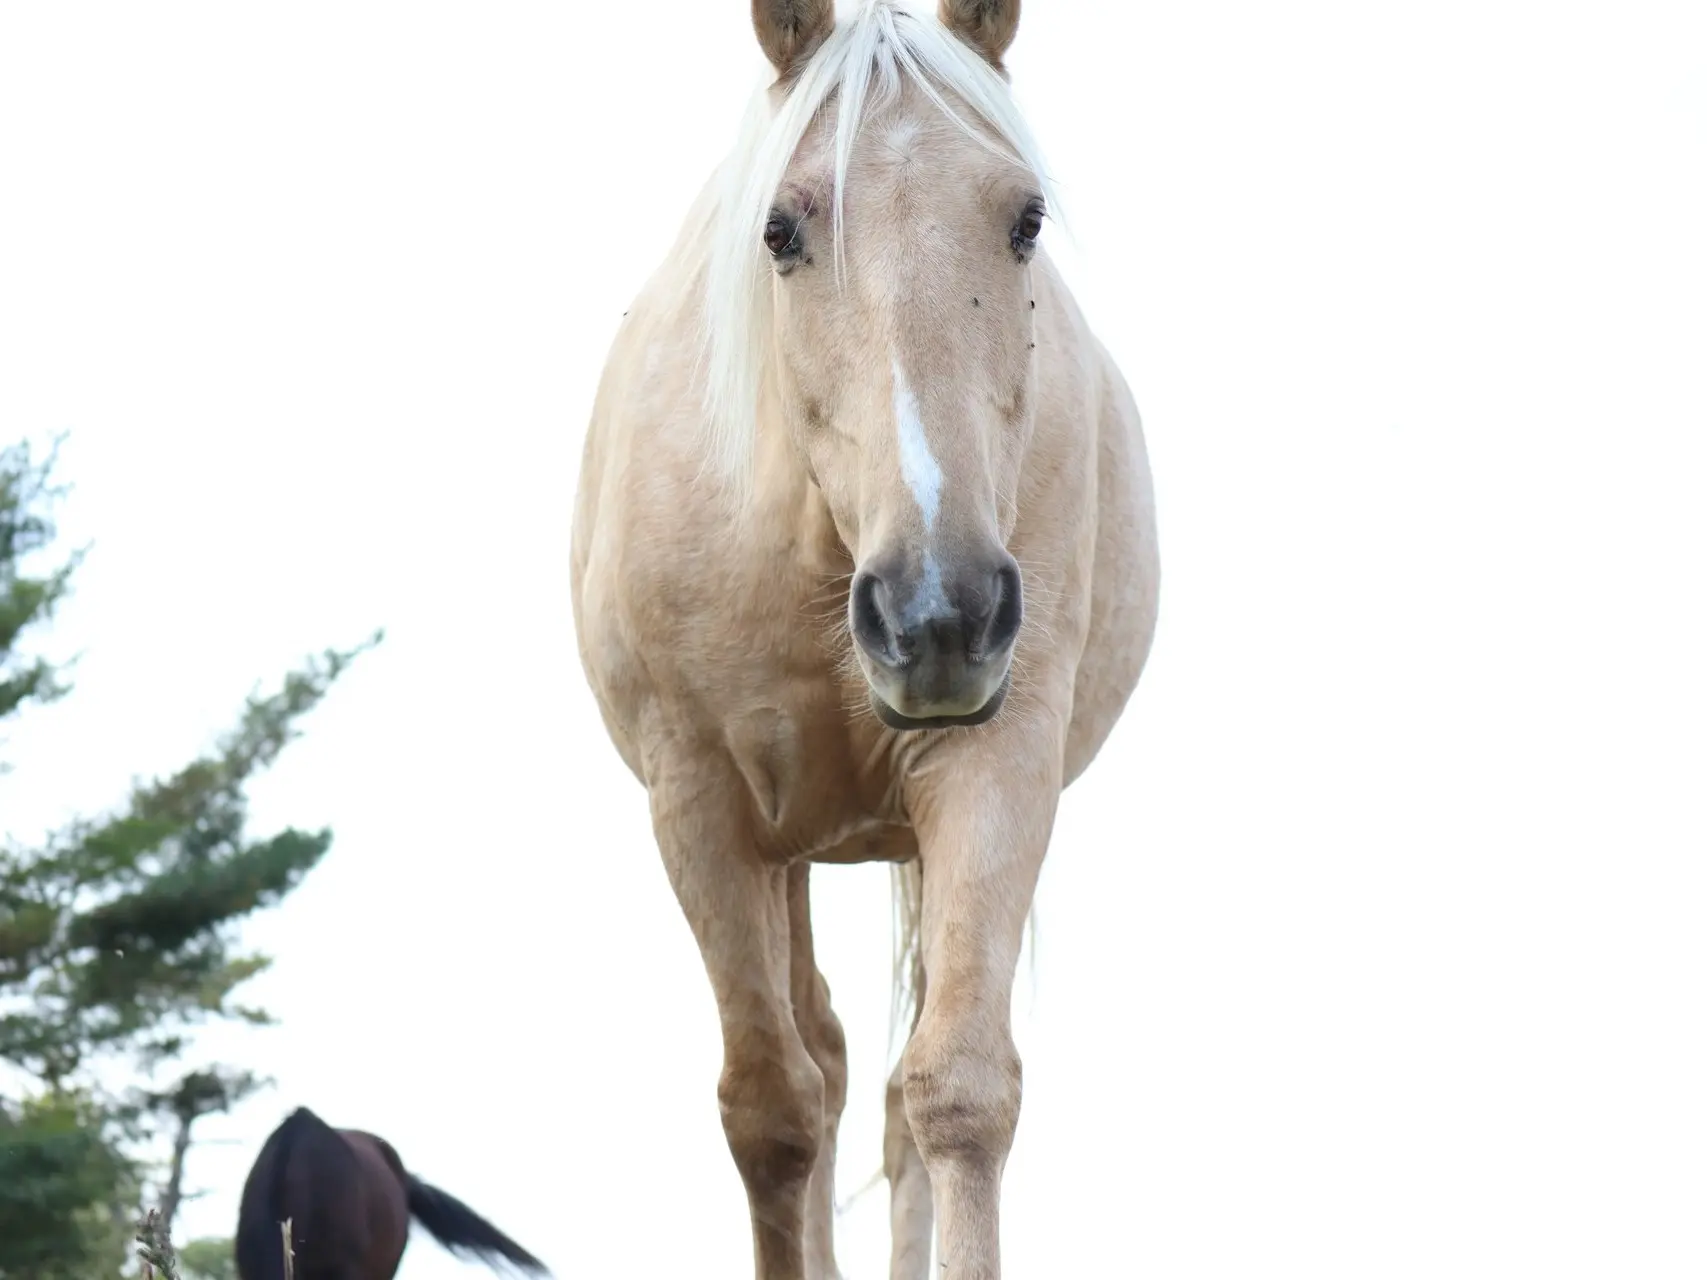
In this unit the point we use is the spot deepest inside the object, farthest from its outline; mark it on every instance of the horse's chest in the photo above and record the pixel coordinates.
(817, 791)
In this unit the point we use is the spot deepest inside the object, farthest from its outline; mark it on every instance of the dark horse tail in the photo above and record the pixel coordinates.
(260, 1245)
(463, 1231)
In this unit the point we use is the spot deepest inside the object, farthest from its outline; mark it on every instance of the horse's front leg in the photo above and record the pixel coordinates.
(983, 808)
(771, 1091)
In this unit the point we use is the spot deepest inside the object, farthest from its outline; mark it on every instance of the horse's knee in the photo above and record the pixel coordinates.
(961, 1098)
(772, 1101)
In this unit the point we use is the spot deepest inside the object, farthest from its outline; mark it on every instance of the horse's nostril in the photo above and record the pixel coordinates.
(933, 627)
(870, 626)
(978, 603)
(1009, 610)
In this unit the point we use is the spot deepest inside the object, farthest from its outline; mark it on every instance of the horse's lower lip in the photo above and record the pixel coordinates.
(983, 715)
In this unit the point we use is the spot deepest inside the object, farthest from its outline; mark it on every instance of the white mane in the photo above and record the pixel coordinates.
(860, 65)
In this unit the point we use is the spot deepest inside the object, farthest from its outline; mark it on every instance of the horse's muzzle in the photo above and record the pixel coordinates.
(937, 649)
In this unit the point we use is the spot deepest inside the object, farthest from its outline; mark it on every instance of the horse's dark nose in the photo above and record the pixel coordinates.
(938, 626)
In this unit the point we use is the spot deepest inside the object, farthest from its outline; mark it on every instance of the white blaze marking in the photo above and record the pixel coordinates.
(918, 465)
(930, 594)
(924, 477)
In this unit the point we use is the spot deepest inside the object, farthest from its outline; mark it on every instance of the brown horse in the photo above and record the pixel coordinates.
(349, 1200)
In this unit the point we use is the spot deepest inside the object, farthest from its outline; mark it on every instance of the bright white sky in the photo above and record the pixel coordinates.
(1373, 943)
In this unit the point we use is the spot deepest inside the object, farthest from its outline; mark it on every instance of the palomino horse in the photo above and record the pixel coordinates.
(858, 385)
(348, 1200)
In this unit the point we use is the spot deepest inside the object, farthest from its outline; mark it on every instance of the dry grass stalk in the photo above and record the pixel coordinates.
(289, 1253)
(154, 1247)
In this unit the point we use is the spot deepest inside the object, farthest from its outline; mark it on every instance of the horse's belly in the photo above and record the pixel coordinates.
(1125, 584)
(866, 839)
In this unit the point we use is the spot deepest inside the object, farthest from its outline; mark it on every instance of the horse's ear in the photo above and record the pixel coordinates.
(987, 25)
(790, 31)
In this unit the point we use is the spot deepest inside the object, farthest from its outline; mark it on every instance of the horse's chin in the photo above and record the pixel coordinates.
(983, 715)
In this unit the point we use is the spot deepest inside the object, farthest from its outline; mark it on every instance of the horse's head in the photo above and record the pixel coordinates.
(897, 243)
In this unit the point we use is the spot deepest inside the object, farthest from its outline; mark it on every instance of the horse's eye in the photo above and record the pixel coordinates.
(782, 236)
(1028, 228)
